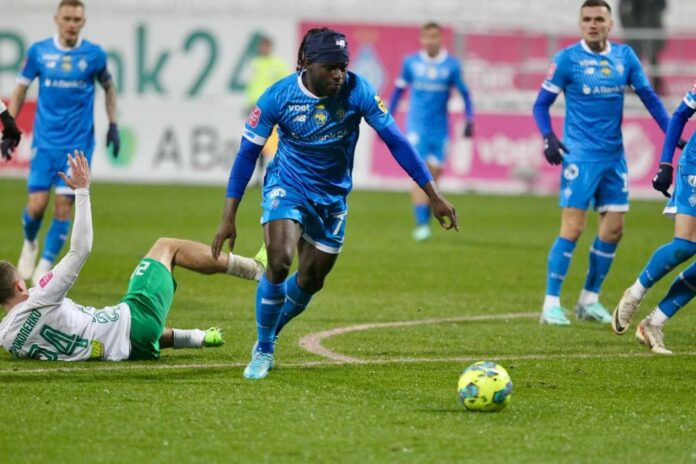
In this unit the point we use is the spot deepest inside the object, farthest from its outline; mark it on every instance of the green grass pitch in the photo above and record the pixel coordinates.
(581, 394)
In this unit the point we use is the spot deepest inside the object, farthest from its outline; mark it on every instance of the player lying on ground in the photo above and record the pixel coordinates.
(41, 323)
(672, 254)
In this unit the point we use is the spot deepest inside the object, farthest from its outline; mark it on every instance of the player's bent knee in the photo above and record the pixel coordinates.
(163, 250)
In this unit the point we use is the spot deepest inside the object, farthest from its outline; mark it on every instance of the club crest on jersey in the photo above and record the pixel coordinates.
(275, 195)
(692, 200)
(320, 115)
(254, 116)
(340, 113)
(606, 71)
(691, 180)
(571, 171)
(82, 64)
(380, 104)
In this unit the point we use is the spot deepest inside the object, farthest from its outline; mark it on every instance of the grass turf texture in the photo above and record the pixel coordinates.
(617, 405)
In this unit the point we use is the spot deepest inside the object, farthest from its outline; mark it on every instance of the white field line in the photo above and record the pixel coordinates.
(312, 343)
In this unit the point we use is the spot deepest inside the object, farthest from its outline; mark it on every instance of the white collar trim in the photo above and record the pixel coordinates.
(59, 46)
(439, 58)
(589, 50)
(304, 89)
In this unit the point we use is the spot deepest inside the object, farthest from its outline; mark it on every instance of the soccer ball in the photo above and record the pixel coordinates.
(485, 386)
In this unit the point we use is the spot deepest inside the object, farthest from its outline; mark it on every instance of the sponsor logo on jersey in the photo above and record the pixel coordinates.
(45, 279)
(320, 115)
(300, 118)
(67, 63)
(380, 104)
(571, 171)
(552, 71)
(691, 180)
(254, 116)
(65, 84)
(298, 108)
(589, 71)
(605, 89)
(588, 63)
(586, 89)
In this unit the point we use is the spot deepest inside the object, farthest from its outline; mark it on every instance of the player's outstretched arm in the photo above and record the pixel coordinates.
(408, 159)
(55, 284)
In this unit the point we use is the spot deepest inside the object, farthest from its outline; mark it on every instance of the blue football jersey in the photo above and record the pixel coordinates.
(594, 85)
(430, 80)
(65, 113)
(688, 156)
(316, 136)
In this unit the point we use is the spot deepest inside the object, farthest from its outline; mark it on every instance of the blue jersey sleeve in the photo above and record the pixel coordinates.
(636, 76)
(31, 67)
(101, 72)
(558, 76)
(458, 81)
(372, 107)
(262, 118)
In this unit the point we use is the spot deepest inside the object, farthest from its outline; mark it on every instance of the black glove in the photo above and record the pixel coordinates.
(681, 144)
(554, 149)
(112, 138)
(11, 135)
(663, 179)
(469, 130)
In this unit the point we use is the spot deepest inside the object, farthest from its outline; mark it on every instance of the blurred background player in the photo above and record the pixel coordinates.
(304, 196)
(266, 69)
(593, 75)
(10, 134)
(66, 67)
(430, 73)
(42, 323)
(672, 254)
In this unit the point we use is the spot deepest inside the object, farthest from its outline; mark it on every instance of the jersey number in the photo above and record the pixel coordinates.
(140, 270)
(62, 342)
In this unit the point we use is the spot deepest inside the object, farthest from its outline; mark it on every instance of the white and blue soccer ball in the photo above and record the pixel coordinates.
(485, 386)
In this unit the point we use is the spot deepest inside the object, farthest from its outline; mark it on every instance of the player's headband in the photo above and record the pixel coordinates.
(326, 47)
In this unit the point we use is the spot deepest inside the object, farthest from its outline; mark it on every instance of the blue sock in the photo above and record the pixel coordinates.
(683, 289)
(601, 257)
(422, 214)
(55, 239)
(558, 263)
(296, 301)
(269, 300)
(31, 226)
(666, 258)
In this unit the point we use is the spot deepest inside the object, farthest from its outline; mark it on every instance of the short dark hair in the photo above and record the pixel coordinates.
(75, 3)
(431, 25)
(8, 277)
(596, 3)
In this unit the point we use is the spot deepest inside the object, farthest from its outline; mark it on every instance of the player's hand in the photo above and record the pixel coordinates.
(554, 149)
(11, 135)
(79, 171)
(681, 143)
(443, 209)
(469, 130)
(663, 179)
(113, 138)
(226, 231)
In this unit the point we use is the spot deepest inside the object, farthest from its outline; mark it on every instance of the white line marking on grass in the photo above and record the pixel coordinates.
(312, 342)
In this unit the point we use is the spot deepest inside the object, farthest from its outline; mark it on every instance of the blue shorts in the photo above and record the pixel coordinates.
(323, 226)
(603, 185)
(683, 199)
(45, 166)
(432, 148)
